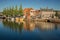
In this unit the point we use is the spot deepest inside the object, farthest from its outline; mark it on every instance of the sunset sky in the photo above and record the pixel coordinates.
(36, 4)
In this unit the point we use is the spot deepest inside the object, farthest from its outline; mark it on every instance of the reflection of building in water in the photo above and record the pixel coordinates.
(29, 26)
(26, 12)
(45, 26)
(57, 26)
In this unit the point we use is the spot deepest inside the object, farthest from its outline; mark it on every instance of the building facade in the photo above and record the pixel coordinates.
(58, 13)
(35, 14)
(27, 12)
(47, 13)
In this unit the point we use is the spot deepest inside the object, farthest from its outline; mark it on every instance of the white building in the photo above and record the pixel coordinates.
(47, 13)
(32, 12)
(35, 13)
(43, 13)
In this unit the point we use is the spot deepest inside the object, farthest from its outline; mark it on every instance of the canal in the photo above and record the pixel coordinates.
(28, 30)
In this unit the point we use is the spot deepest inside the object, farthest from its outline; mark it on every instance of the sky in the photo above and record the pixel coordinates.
(35, 4)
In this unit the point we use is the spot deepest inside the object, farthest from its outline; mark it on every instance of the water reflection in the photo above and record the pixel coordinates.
(43, 26)
(13, 25)
(30, 26)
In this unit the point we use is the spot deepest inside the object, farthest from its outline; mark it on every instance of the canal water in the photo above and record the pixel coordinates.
(29, 30)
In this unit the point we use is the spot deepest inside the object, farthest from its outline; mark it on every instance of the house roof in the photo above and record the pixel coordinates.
(46, 9)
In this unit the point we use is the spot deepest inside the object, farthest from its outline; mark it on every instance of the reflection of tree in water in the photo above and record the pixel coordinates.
(13, 25)
(30, 26)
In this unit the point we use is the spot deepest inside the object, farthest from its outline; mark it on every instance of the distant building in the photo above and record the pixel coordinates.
(57, 13)
(41, 14)
(35, 13)
(47, 13)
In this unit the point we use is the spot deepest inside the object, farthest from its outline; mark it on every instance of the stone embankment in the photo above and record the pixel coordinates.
(47, 20)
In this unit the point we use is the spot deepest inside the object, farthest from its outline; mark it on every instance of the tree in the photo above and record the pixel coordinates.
(21, 10)
(16, 10)
(12, 10)
(5, 11)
